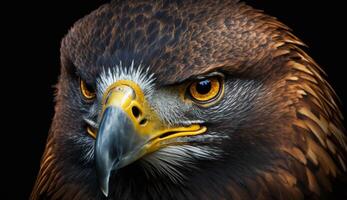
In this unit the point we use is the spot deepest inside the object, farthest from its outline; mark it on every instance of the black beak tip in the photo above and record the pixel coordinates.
(104, 189)
(103, 179)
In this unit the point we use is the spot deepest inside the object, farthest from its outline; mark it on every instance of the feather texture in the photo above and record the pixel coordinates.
(284, 137)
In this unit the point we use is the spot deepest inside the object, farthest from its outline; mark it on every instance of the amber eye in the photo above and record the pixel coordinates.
(205, 90)
(86, 90)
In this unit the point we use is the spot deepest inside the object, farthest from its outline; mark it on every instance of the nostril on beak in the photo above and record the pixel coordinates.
(143, 121)
(136, 111)
(137, 114)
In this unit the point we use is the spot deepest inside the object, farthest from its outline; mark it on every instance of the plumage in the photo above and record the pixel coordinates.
(275, 133)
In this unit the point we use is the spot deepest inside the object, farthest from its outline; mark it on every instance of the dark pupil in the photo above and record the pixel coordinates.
(89, 87)
(203, 87)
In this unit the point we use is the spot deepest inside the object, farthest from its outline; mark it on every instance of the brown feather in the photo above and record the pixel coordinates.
(296, 140)
(312, 182)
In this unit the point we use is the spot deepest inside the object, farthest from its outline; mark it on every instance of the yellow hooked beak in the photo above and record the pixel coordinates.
(130, 129)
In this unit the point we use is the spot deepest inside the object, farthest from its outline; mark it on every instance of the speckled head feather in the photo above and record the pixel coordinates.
(275, 134)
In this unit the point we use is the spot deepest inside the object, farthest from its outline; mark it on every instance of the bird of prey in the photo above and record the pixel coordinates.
(190, 100)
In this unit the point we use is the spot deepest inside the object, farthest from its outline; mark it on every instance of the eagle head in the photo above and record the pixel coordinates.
(189, 100)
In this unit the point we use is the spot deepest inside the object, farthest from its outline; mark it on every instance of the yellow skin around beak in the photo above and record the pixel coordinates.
(128, 96)
(130, 129)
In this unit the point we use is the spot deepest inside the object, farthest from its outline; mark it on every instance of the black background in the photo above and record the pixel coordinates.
(38, 27)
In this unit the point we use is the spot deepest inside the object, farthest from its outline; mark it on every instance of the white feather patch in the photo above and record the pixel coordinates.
(170, 160)
(139, 75)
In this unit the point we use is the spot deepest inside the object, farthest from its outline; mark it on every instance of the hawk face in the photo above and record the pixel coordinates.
(126, 116)
(187, 99)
